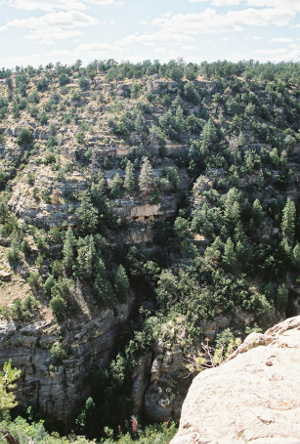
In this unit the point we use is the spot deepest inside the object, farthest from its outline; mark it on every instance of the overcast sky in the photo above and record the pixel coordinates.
(36, 32)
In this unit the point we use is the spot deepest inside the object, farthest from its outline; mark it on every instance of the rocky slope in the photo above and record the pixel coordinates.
(175, 190)
(252, 397)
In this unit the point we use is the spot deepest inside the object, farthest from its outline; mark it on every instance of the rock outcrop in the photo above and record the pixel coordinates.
(253, 397)
(57, 383)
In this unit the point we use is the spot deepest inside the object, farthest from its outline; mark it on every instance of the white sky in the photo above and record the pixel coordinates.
(36, 32)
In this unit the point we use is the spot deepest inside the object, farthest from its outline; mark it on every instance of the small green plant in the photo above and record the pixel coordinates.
(58, 352)
(33, 280)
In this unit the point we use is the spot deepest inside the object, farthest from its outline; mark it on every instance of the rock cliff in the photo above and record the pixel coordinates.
(253, 397)
(55, 382)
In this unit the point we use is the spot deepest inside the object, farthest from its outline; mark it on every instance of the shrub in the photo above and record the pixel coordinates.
(33, 280)
(50, 281)
(58, 307)
(64, 79)
(25, 137)
(58, 352)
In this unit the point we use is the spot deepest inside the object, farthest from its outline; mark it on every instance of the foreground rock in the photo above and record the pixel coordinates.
(253, 397)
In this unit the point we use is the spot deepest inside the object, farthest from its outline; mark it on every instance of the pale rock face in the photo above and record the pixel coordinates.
(254, 397)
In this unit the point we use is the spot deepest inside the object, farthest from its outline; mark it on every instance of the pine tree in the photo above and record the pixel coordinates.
(121, 284)
(115, 186)
(87, 214)
(179, 121)
(288, 220)
(86, 257)
(257, 213)
(229, 257)
(232, 208)
(68, 250)
(102, 286)
(208, 137)
(146, 179)
(129, 182)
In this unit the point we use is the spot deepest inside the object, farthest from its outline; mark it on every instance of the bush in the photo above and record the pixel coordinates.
(64, 79)
(13, 254)
(58, 307)
(50, 281)
(20, 311)
(58, 352)
(33, 280)
(25, 137)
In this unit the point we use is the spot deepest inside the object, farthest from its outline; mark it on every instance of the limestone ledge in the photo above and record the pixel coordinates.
(252, 398)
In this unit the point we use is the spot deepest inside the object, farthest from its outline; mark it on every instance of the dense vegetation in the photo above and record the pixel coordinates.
(222, 140)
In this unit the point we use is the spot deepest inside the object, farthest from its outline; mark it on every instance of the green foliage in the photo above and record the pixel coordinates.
(63, 79)
(146, 178)
(281, 297)
(288, 220)
(87, 214)
(33, 280)
(168, 289)
(85, 416)
(121, 284)
(229, 258)
(42, 84)
(181, 227)
(14, 254)
(7, 382)
(129, 181)
(49, 283)
(208, 137)
(224, 155)
(86, 257)
(58, 352)
(68, 250)
(115, 186)
(83, 84)
(171, 177)
(25, 137)
(58, 307)
(23, 311)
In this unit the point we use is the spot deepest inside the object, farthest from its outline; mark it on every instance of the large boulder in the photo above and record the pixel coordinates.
(253, 397)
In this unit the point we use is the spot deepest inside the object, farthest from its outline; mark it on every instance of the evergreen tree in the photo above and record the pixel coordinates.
(86, 257)
(68, 250)
(121, 284)
(207, 137)
(102, 286)
(257, 213)
(288, 221)
(147, 178)
(229, 257)
(115, 186)
(129, 181)
(87, 214)
(232, 208)
(179, 121)
(58, 307)
(281, 297)
(140, 128)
